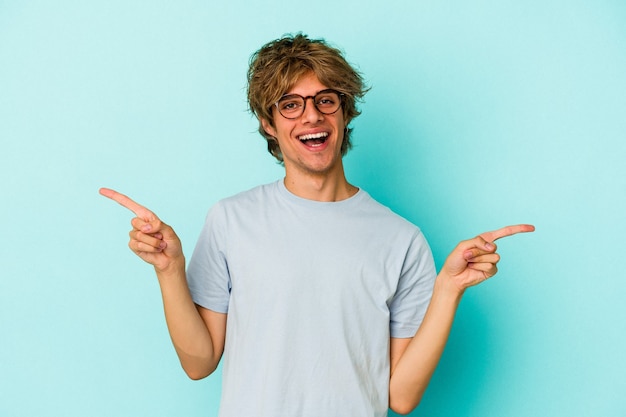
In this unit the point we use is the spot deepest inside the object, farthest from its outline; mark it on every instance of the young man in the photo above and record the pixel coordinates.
(333, 303)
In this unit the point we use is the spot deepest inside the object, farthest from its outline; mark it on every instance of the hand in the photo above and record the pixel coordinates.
(152, 240)
(474, 261)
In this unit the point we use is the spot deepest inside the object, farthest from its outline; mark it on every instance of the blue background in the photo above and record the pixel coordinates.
(482, 114)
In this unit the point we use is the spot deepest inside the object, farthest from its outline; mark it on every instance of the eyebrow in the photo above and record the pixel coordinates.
(325, 90)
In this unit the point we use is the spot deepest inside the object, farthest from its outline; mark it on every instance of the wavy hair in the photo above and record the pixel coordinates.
(279, 64)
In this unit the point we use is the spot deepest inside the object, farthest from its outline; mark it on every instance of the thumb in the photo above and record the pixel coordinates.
(150, 225)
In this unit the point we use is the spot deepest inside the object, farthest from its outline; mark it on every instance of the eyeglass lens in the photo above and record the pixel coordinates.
(292, 106)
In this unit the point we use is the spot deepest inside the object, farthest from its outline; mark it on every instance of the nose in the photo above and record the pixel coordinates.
(310, 113)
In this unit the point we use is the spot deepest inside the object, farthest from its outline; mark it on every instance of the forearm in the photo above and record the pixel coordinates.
(470, 263)
(189, 333)
(197, 334)
(412, 372)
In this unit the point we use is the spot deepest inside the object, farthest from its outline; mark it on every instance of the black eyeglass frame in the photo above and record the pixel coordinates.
(305, 99)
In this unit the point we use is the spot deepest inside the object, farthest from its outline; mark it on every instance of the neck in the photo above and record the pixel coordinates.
(320, 187)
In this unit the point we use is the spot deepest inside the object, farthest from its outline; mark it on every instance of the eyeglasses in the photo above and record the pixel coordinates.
(291, 106)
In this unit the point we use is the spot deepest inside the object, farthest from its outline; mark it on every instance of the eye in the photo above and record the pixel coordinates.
(327, 100)
(289, 104)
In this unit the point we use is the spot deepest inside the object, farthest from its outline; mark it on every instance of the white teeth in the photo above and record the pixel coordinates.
(313, 136)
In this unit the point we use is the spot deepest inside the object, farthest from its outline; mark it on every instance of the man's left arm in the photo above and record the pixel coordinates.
(413, 361)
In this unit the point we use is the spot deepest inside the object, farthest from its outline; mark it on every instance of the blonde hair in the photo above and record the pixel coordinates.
(277, 67)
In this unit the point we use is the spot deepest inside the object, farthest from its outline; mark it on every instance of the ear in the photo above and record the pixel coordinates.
(267, 126)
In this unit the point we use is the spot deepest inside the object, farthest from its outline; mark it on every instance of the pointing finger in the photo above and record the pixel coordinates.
(127, 202)
(507, 231)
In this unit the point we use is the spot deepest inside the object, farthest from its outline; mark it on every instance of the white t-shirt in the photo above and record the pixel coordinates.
(313, 291)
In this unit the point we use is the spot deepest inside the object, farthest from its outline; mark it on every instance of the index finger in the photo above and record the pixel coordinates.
(507, 231)
(127, 202)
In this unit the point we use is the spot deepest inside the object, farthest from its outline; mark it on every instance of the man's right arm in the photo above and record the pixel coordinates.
(198, 334)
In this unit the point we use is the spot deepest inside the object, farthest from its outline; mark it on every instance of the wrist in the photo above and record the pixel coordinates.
(446, 288)
(173, 268)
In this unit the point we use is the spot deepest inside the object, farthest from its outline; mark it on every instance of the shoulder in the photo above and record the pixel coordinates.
(385, 216)
(244, 207)
(248, 198)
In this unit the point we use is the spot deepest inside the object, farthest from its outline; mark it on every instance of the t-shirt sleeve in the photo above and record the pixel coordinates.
(414, 291)
(207, 273)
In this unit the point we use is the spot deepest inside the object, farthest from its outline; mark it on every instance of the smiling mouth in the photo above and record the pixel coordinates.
(314, 138)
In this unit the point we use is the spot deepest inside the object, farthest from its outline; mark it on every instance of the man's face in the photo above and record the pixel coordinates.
(311, 143)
